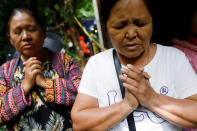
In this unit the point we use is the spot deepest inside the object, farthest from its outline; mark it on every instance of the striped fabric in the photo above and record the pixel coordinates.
(64, 90)
(13, 100)
(61, 90)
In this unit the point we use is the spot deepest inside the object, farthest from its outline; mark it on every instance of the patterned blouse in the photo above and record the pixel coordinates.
(45, 108)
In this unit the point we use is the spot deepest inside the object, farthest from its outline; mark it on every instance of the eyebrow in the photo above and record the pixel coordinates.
(16, 28)
(29, 25)
(118, 21)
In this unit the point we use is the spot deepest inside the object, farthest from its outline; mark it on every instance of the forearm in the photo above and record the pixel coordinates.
(12, 99)
(100, 118)
(182, 112)
(62, 90)
(58, 91)
(26, 87)
(13, 102)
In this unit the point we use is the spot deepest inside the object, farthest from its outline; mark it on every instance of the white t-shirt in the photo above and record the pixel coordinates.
(171, 75)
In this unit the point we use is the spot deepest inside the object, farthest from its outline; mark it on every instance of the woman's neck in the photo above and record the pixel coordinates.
(42, 56)
(141, 60)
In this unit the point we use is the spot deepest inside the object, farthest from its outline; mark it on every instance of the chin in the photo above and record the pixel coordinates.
(131, 55)
(30, 54)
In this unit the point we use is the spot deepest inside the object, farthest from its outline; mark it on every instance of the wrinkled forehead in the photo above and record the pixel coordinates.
(131, 8)
(19, 16)
(123, 4)
(23, 19)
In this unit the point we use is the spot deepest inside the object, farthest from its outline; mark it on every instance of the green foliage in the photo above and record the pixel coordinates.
(84, 10)
(2, 128)
(66, 10)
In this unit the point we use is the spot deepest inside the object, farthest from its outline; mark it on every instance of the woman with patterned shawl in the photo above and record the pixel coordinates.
(38, 88)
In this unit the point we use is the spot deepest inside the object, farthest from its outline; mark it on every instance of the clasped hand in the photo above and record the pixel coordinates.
(33, 74)
(137, 86)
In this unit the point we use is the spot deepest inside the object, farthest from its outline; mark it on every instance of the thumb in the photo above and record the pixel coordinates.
(146, 75)
(141, 69)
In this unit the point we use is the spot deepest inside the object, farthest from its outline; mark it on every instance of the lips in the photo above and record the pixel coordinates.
(27, 46)
(132, 46)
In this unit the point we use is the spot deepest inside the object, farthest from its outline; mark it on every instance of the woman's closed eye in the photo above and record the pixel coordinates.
(31, 28)
(17, 31)
(139, 23)
(120, 25)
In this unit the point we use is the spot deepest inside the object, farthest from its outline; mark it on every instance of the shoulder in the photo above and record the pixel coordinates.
(104, 56)
(63, 57)
(9, 64)
(169, 49)
(100, 62)
(170, 52)
(8, 67)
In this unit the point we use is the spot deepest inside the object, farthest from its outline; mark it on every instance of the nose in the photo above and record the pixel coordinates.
(26, 36)
(131, 33)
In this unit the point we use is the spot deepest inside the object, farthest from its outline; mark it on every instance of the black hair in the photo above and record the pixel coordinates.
(106, 6)
(27, 11)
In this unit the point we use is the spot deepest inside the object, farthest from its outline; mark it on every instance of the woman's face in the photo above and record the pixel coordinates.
(26, 35)
(130, 28)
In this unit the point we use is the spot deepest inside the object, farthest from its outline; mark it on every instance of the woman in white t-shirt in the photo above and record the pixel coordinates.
(160, 84)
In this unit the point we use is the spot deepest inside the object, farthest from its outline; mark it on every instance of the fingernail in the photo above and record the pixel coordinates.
(141, 68)
(123, 70)
(121, 77)
(129, 65)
